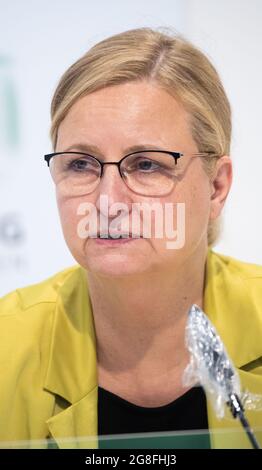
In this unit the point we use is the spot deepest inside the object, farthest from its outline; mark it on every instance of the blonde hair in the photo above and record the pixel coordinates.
(175, 65)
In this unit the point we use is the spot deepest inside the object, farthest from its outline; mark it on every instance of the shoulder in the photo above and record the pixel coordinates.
(233, 301)
(229, 272)
(27, 317)
(228, 264)
(235, 282)
(41, 295)
(244, 279)
(27, 314)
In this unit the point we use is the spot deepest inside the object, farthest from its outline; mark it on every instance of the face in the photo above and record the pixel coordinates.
(109, 122)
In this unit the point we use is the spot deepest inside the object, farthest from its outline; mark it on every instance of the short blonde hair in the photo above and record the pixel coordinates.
(175, 65)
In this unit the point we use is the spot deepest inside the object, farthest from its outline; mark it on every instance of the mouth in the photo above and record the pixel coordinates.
(115, 239)
(117, 236)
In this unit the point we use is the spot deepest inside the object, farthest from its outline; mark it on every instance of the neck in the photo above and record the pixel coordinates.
(140, 321)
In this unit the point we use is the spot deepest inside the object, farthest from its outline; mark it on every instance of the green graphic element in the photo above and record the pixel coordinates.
(9, 121)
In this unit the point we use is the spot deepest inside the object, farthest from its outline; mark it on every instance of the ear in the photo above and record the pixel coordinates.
(220, 185)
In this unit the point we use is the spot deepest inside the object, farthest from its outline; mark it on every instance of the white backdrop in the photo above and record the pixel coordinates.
(39, 40)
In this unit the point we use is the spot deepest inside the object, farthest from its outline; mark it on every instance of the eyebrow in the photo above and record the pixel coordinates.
(93, 149)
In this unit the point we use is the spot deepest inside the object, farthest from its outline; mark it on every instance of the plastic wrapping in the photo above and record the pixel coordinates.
(210, 365)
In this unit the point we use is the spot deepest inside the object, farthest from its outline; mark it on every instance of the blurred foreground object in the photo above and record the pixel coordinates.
(211, 366)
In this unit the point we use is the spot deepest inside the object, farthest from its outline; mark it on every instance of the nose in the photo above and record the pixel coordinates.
(113, 187)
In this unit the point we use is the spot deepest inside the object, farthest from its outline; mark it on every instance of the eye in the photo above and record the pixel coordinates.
(78, 165)
(147, 165)
(81, 165)
(143, 165)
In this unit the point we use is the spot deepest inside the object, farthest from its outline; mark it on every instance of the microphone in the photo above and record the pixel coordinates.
(211, 366)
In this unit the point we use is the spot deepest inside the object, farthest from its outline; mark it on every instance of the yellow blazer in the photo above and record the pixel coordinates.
(48, 379)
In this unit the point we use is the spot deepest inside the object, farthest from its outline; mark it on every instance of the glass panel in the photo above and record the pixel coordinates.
(218, 438)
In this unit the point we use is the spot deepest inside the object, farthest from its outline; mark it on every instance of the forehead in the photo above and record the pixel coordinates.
(127, 112)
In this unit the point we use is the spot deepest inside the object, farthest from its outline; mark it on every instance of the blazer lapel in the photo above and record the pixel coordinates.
(76, 426)
(72, 367)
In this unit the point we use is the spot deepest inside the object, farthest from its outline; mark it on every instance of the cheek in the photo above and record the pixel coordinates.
(194, 215)
(68, 211)
(197, 209)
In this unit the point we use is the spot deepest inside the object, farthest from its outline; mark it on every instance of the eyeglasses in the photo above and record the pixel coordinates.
(146, 172)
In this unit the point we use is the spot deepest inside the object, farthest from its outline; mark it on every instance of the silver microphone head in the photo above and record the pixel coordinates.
(210, 364)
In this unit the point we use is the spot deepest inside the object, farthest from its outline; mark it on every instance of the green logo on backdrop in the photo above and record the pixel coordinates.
(9, 125)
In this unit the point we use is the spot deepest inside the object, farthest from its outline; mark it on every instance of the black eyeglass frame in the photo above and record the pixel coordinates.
(175, 155)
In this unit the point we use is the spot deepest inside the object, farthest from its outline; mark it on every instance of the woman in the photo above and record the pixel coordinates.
(101, 346)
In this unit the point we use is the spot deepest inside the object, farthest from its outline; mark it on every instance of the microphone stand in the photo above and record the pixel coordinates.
(237, 411)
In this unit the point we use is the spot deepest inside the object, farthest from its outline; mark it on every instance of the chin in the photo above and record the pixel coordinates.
(114, 265)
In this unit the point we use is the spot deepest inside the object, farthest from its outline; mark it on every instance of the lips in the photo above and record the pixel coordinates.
(117, 235)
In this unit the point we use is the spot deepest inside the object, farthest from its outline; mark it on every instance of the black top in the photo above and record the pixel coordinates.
(118, 416)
